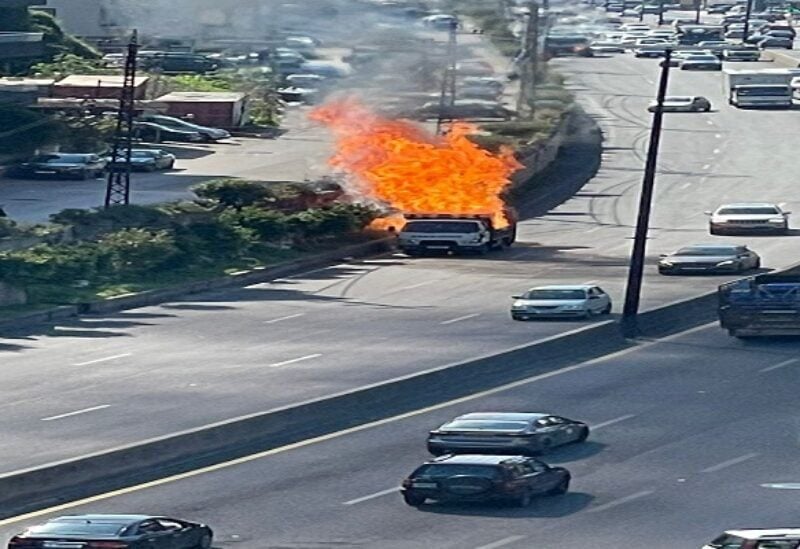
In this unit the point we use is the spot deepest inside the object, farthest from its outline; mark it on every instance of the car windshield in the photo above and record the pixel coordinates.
(442, 470)
(142, 154)
(710, 251)
(488, 425)
(779, 91)
(79, 528)
(555, 294)
(62, 158)
(449, 227)
(765, 210)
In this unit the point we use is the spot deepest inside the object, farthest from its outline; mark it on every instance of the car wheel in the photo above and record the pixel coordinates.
(205, 542)
(707, 108)
(517, 317)
(757, 264)
(714, 232)
(606, 310)
(412, 499)
(171, 165)
(562, 487)
(544, 446)
(525, 499)
(583, 435)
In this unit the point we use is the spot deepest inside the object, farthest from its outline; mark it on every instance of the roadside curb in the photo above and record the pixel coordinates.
(84, 476)
(155, 297)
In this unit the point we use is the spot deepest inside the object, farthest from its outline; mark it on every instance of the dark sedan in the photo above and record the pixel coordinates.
(720, 258)
(60, 166)
(509, 433)
(483, 478)
(149, 160)
(114, 532)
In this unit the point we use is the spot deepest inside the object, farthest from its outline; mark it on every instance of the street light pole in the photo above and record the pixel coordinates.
(748, 11)
(633, 290)
(660, 12)
(697, 12)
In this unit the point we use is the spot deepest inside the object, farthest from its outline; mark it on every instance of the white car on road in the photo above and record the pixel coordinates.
(746, 218)
(576, 301)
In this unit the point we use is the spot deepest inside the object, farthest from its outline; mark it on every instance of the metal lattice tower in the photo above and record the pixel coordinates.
(447, 99)
(118, 187)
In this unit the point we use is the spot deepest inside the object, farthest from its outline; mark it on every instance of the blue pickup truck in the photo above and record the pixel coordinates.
(762, 305)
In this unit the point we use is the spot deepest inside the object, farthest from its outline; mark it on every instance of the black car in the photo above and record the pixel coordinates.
(115, 532)
(156, 133)
(484, 478)
(509, 433)
(60, 166)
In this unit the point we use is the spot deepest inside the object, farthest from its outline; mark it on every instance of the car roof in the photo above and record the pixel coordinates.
(565, 287)
(748, 205)
(758, 533)
(103, 518)
(477, 459)
(508, 416)
(720, 246)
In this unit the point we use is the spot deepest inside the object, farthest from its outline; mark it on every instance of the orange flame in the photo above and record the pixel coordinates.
(397, 162)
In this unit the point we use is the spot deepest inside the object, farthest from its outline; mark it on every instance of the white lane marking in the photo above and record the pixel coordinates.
(716, 151)
(780, 365)
(502, 542)
(418, 285)
(729, 463)
(104, 359)
(282, 318)
(620, 501)
(718, 135)
(371, 496)
(344, 432)
(460, 318)
(686, 185)
(77, 412)
(706, 166)
(709, 122)
(295, 360)
(594, 229)
(611, 422)
(783, 485)
(588, 282)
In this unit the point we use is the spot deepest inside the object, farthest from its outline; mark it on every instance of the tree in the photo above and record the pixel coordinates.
(233, 193)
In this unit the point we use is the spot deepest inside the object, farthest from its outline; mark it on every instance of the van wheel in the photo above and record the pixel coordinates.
(414, 500)
(562, 488)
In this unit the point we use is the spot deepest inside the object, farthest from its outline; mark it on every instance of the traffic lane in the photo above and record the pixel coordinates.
(675, 423)
(221, 363)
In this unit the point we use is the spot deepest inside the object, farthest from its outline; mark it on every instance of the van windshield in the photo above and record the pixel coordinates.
(772, 91)
(450, 227)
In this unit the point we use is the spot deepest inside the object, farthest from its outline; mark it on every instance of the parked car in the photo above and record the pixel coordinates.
(688, 103)
(579, 300)
(156, 133)
(757, 538)
(607, 46)
(483, 82)
(776, 42)
(207, 133)
(742, 54)
(115, 531)
(748, 218)
(659, 50)
(503, 432)
(60, 166)
(701, 62)
(462, 109)
(147, 160)
(719, 8)
(484, 478)
(709, 258)
(474, 68)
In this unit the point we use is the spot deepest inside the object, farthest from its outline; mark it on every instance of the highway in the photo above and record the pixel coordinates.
(89, 384)
(689, 434)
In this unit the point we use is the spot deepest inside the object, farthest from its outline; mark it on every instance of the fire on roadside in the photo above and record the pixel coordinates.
(400, 164)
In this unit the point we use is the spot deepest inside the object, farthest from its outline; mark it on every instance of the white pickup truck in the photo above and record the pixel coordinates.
(455, 233)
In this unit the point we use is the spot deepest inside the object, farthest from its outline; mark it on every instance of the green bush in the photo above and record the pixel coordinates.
(116, 217)
(137, 251)
(336, 220)
(232, 193)
(7, 228)
(45, 263)
(205, 242)
(268, 225)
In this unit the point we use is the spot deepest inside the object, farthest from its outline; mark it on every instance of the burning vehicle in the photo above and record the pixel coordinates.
(446, 190)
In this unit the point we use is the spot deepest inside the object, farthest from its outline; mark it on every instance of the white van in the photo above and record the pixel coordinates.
(757, 538)
(795, 85)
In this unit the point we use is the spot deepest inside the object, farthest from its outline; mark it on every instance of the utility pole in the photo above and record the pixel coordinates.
(447, 98)
(633, 290)
(660, 12)
(118, 184)
(748, 11)
(529, 60)
(697, 5)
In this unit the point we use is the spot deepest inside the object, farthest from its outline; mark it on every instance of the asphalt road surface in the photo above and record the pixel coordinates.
(96, 382)
(692, 434)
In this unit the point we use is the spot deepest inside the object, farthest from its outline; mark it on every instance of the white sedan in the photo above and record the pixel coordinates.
(573, 301)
